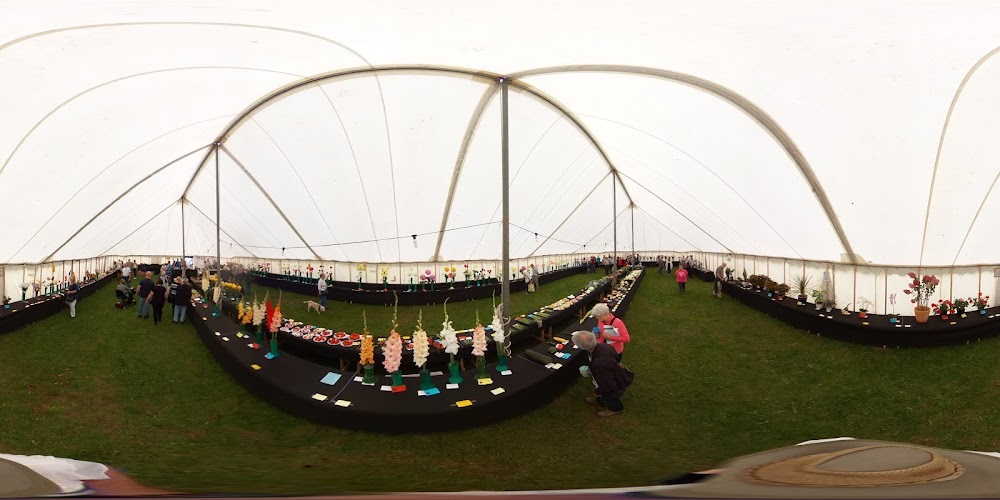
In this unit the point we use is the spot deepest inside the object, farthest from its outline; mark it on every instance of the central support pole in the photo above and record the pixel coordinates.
(505, 163)
(632, 211)
(183, 240)
(218, 226)
(614, 223)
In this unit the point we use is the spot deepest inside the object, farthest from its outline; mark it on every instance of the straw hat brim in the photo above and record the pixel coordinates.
(955, 474)
(16, 480)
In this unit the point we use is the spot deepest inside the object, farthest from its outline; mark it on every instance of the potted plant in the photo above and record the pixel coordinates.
(800, 284)
(863, 305)
(981, 302)
(819, 297)
(921, 288)
(846, 311)
(781, 290)
(943, 308)
(960, 306)
(829, 304)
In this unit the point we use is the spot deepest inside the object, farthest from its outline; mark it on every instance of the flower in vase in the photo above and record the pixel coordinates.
(479, 340)
(259, 312)
(367, 351)
(449, 338)
(497, 326)
(393, 352)
(275, 320)
(420, 347)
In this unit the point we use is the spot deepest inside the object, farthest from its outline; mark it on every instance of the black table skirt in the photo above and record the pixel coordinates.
(290, 383)
(878, 331)
(371, 293)
(24, 313)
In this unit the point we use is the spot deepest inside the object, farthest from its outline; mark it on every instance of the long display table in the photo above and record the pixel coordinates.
(876, 329)
(22, 313)
(537, 324)
(377, 294)
(296, 385)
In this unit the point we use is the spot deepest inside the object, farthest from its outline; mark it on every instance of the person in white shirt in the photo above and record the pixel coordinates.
(534, 277)
(321, 289)
(127, 273)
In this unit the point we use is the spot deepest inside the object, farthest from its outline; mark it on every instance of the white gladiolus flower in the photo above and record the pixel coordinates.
(420, 348)
(450, 338)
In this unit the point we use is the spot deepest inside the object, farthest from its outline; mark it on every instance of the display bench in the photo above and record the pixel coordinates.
(875, 329)
(332, 397)
(378, 294)
(25, 312)
(328, 345)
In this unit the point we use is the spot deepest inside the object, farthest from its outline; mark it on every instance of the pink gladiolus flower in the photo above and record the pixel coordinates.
(912, 274)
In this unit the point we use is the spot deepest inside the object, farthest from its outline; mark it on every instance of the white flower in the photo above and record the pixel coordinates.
(450, 338)
(420, 348)
(217, 295)
(259, 312)
(497, 326)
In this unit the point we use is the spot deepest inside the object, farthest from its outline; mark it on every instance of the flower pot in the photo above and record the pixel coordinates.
(425, 380)
(982, 311)
(922, 313)
(828, 309)
(274, 348)
(455, 377)
(960, 310)
(862, 315)
(502, 363)
(944, 317)
(803, 298)
(369, 377)
(397, 378)
(819, 306)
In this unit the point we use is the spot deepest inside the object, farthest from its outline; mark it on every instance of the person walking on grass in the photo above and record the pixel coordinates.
(611, 380)
(157, 298)
(181, 300)
(72, 295)
(534, 277)
(145, 286)
(662, 264)
(321, 289)
(720, 276)
(682, 278)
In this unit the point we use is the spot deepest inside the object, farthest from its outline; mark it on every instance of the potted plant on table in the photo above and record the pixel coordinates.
(781, 290)
(829, 304)
(921, 289)
(863, 305)
(819, 297)
(980, 302)
(800, 284)
(960, 306)
(943, 308)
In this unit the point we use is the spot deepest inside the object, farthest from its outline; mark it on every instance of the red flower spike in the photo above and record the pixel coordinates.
(912, 274)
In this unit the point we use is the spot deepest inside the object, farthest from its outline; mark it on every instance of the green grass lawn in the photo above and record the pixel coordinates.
(714, 380)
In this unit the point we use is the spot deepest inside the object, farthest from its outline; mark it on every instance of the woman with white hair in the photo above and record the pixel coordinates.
(610, 329)
(610, 379)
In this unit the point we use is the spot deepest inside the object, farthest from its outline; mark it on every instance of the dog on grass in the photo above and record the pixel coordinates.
(314, 306)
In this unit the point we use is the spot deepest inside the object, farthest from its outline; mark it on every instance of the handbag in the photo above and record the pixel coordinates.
(531, 287)
(627, 375)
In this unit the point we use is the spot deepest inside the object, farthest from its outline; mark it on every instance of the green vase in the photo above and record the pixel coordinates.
(397, 378)
(425, 380)
(274, 348)
(502, 363)
(455, 378)
(481, 365)
(218, 308)
(259, 337)
(369, 377)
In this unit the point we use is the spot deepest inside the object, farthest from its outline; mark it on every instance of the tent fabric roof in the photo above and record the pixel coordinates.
(780, 129)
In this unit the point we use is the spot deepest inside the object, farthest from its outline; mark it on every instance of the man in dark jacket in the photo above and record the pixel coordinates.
(610, 379)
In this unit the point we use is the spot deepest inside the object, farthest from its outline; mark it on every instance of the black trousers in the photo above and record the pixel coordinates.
(157, 311)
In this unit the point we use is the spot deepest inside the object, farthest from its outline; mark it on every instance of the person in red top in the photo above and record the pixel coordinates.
(682, 278)
(616, 339)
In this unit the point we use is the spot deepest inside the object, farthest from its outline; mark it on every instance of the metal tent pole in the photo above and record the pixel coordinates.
(505, 182)
(218, 226)
(614, 224)
(183, 240)
(633, 229)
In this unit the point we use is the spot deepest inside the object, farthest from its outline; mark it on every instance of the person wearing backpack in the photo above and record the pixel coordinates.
(611, 379)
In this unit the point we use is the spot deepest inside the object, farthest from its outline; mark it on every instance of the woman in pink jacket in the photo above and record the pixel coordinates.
(682, 278)
(617, 337)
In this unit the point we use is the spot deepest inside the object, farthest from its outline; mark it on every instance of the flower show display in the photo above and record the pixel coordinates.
(309, 340)
(423, 290)
(391, 400)
(945, 321)
(47, 299)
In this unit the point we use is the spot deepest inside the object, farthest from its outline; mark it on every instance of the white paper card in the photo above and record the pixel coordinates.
(343, 402)
(506, 372)
(319, 397)
(358, 379)
(498, 391)
(386, 388)
(451, 386)
(421, 393)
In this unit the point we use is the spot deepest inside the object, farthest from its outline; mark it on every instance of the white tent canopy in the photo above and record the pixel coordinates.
(781, 129)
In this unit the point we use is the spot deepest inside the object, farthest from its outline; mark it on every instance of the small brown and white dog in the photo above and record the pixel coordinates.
(314, 306)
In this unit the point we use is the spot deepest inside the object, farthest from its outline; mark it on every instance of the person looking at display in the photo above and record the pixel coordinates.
(321, 289)
(611, 380)
(610, 329)
(720, 276)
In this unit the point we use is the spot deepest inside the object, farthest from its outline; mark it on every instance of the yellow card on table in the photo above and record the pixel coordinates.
(255, 367)
(463, 403)
(319, 397)
(343, 402)
(485, 381)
